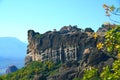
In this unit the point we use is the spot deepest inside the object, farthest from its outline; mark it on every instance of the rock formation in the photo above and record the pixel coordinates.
(70, 44)
(65, 45)
(11, 68)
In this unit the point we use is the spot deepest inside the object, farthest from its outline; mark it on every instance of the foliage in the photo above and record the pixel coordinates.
(49, 65)
(111, 74)
(107, 73)
(112, 42)
(1, 79)
(76, 79)
(99, 46)
(95, 35)
(91, 74)
(38, 35)
(34, 68)
(55, 69)
(112, 45)
(112, 10)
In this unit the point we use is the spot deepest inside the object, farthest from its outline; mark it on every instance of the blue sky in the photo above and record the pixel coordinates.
(18, 16)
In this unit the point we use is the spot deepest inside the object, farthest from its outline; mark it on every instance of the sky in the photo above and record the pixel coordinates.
(18, 16)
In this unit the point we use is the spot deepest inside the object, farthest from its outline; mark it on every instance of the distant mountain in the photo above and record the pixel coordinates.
(12, 51)
(12, 47)
(11, 68)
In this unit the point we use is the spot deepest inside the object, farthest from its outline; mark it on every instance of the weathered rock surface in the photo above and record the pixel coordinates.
(74, 47)
(66, 72)
(64, 45)
(39, 77)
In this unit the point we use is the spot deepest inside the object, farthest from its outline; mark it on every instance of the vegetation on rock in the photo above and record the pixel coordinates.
(112, 44)
(34, 68)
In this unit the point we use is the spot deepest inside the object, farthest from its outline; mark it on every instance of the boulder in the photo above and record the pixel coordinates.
(89, 30)
(11, 68)
(39, 77)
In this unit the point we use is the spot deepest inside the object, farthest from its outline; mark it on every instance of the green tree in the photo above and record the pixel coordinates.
(111, 74)
(112, 42)
(91, 74)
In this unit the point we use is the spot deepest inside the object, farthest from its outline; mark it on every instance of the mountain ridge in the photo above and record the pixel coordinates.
(11, 46)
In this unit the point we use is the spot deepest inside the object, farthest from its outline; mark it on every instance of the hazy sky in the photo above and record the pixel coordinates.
(18, 16)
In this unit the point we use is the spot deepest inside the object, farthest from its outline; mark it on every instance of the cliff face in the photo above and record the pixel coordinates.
(74, 47)
(60, 46)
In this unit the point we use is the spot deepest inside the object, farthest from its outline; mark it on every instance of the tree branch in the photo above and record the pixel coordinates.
(114, 20)
(114, 13)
